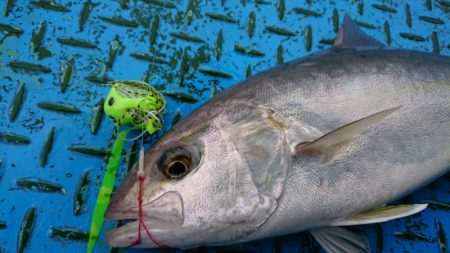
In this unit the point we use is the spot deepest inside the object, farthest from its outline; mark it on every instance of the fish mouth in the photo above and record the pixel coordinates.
(123, 236)
(127, 235)
(165, 213)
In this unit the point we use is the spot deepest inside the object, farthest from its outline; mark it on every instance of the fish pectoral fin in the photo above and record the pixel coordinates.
(351, 36)
(330, 152)
(333, 141)
(381, 214)
(337, 239)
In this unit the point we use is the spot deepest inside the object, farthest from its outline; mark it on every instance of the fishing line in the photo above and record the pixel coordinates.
(141, 174)
(140, 177)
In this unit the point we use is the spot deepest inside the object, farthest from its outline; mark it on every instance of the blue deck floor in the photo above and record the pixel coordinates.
(65, 167)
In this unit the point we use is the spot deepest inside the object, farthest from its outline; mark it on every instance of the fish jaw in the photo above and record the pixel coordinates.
(165, 213)
(127, 235)
(123, 236)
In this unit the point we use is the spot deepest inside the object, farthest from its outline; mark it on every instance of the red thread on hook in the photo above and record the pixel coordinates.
(141, 220)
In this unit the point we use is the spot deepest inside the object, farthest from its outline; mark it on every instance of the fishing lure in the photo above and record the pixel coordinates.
(136, 103)
(132, 103)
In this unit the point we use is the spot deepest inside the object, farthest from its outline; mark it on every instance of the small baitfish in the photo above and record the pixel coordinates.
(316, 144)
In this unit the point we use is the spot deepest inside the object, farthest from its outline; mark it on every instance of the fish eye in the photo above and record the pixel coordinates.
(176, 163)
(111, 101)
(177, 169)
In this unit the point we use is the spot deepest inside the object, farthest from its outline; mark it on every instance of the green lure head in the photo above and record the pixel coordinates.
(136, 103)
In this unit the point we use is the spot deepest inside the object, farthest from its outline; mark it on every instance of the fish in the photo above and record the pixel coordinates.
(317, 144)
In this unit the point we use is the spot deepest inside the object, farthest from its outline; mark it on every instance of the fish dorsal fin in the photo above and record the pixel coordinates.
(330, 143)
(351, 36)
(381, 214)
(337, 239)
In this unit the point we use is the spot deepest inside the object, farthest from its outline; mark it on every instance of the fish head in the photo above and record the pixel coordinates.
(208, 181)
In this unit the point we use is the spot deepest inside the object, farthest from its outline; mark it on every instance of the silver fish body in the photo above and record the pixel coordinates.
(230, 172)
(390, 160)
